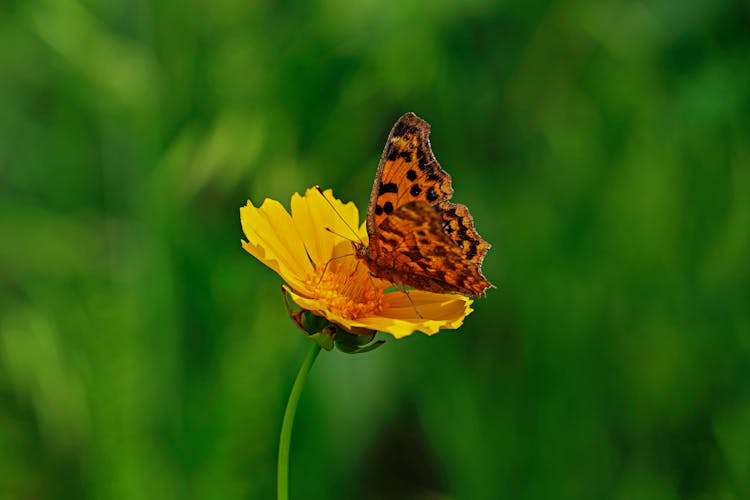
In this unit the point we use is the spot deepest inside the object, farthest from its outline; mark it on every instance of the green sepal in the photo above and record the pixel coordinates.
(327, 334)
(351, 343)
(313, 324)
(359, 350)
(324, 338)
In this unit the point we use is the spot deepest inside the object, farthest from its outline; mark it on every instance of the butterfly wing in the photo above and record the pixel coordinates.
(409, 173)
(459, 226)
(422, 255)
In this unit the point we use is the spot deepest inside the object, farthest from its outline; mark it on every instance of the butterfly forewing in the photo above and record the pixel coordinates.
(408, 171)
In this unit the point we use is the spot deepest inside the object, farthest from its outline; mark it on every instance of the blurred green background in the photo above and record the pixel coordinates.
(602, 148)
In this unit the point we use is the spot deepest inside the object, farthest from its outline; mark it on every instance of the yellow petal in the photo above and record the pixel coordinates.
(439, 306)
(272, 238)
(439, 311)
(398, 317)
(320, 308)
(313, 216)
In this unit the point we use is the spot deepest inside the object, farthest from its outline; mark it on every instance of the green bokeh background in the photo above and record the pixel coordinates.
(602, 148)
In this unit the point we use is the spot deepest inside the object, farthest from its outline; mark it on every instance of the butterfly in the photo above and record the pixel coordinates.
(417, 237)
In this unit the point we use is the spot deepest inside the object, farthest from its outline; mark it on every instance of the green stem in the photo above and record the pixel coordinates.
(286, 425)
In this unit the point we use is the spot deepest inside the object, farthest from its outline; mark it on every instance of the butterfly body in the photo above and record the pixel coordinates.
(417, 237)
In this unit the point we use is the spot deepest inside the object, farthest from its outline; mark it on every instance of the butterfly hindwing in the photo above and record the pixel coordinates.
(424, 256)
(458, 224)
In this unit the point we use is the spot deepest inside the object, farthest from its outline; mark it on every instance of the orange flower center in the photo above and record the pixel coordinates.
(346, 289)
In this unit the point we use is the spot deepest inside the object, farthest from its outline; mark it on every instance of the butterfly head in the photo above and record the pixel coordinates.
(361, 250)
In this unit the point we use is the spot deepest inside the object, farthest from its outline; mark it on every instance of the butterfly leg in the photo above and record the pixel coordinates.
(331, 260)
(406, 292)
(372, 280)
(355, 269)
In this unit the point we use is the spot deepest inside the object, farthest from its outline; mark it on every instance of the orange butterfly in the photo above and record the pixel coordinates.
(416, 236)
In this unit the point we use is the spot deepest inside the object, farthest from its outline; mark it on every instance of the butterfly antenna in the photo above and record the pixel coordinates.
(356, 235)
(341, 235)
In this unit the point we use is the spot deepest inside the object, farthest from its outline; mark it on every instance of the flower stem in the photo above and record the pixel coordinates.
(286, 425)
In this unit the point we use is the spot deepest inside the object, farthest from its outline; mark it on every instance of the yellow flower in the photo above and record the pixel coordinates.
(324, 277)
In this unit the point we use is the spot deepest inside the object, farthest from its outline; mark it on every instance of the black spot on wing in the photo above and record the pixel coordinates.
(392, 154)
(423, 264)
(390, 241)
(472, 251)
(438, 251)
(424, 165)
(431, 195)
(400, 129)
(396, 230)
(378, 210)
(390, 187)
(415, 190)
(388, 207)
(411, 175)
(406, 156)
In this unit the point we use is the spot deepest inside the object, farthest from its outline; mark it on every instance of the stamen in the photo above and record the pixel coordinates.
(346, 289)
